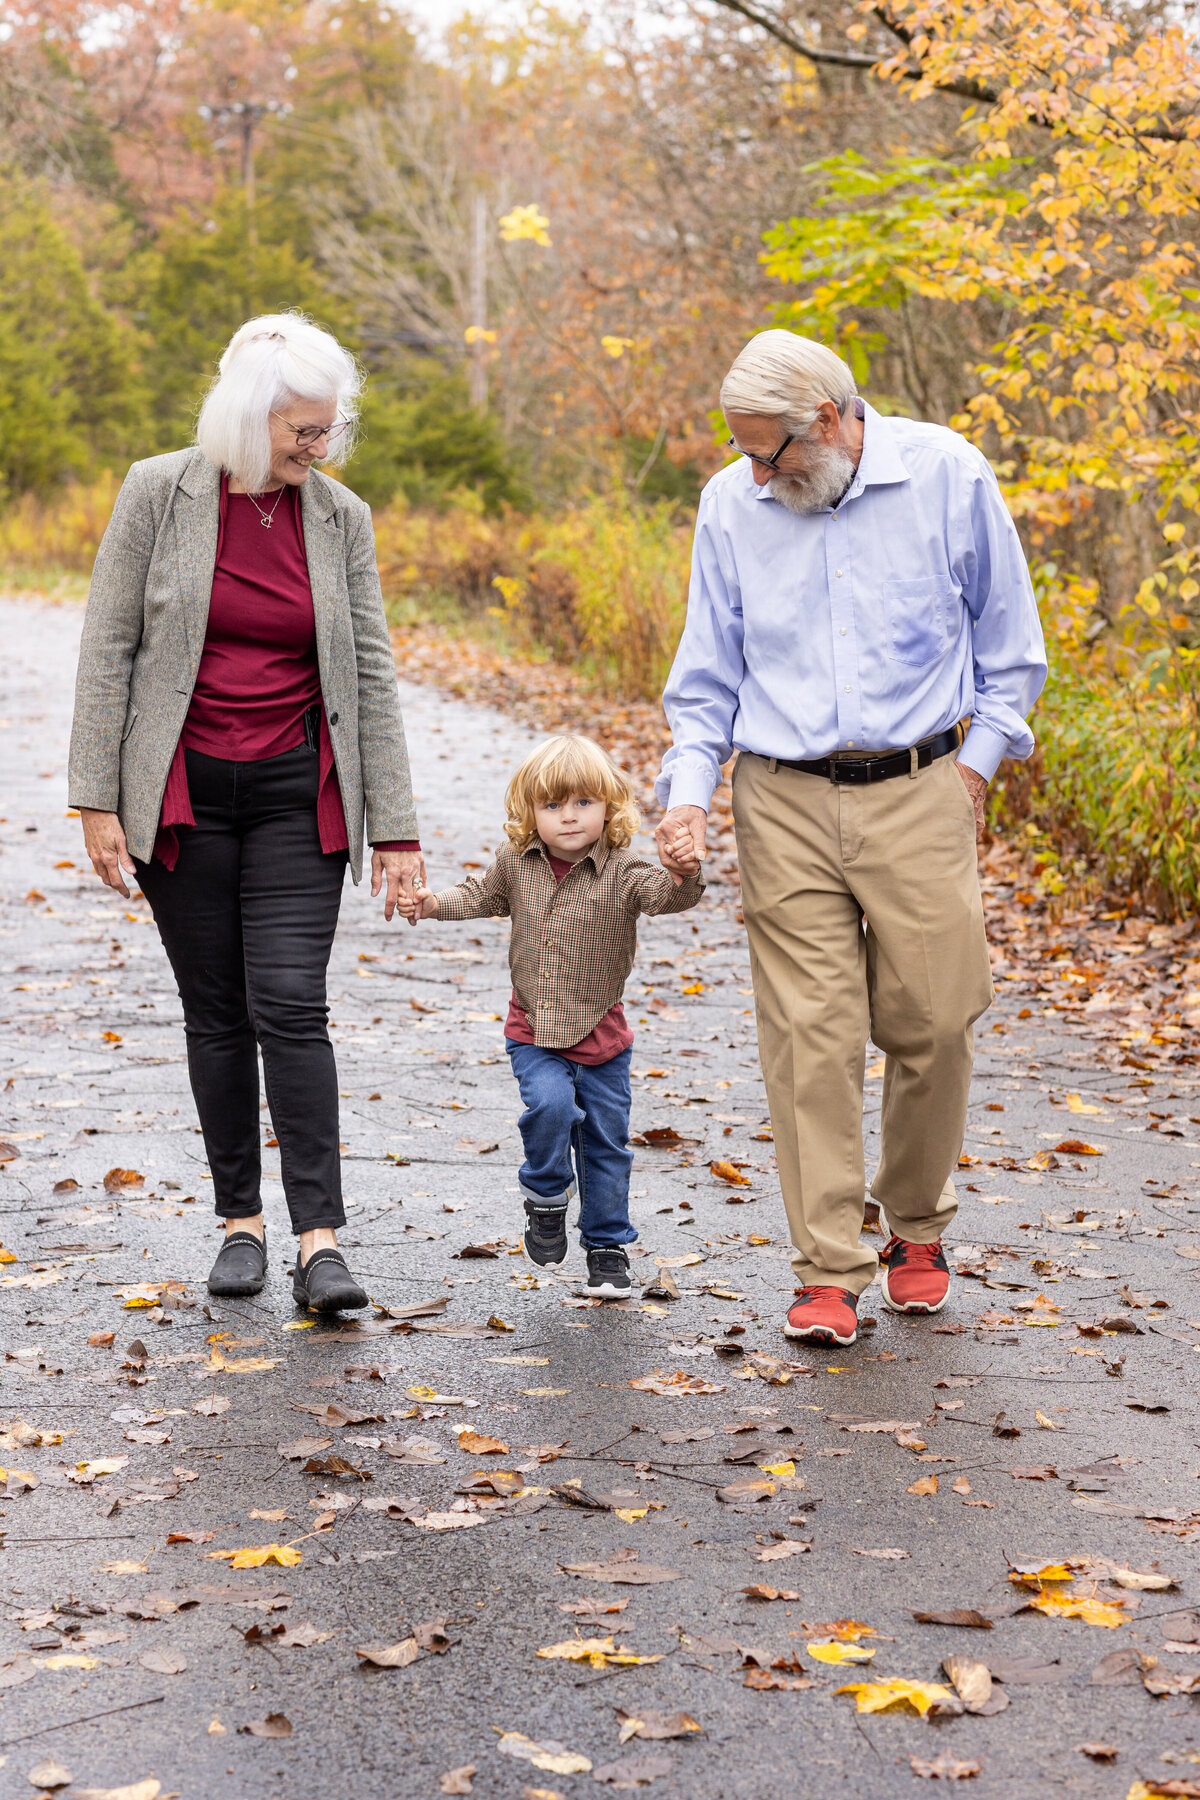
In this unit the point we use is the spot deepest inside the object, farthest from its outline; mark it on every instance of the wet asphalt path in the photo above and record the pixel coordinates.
(93, 1079)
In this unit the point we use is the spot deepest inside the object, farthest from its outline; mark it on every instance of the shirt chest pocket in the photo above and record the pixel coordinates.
(918, 618)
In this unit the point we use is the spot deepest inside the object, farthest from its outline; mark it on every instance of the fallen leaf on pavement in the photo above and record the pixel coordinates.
(116, 1179)
(961, 1615)
(601, 1653)
(731, 1176)
(162, 1662)
(927, 1484)
(883, 1555)
(839, 1654)
(1072, 1606)
(475, 1444)
(254, 1556)
(1099, 1752)
(972, 1682)
(778, 1552)
(657, 1725)
(897, 1692)
(676, 1385)
(550, 1755)
(457, 1781)
(758, 1590)
(623, 1569)
(875, 1424)
(210, 1407)
(1076, 1147)
(275, 1725)
(50, 1774)
(390, 1656)
(943, 1768)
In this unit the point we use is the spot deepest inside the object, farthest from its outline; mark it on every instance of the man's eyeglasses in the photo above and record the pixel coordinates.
(764, 462)
(308, 435)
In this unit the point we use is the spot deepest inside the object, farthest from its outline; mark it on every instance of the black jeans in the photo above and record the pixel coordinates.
(247, 918)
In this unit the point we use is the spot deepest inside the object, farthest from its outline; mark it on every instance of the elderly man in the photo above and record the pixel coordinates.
(858, 593)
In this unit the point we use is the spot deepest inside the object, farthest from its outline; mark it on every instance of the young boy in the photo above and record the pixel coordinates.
(573, 890)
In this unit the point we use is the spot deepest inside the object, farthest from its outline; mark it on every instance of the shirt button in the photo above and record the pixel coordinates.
(849, 743)
(843, 631)
(837, 572)
(333, 718)
(847, 690)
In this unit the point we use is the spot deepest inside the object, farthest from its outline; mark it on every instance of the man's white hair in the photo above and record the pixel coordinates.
(270, 361)
(782, 376)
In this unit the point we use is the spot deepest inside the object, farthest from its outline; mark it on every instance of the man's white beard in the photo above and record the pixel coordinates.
(822, 484)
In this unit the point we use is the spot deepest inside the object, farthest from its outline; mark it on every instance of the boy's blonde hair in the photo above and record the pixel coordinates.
(570, 765)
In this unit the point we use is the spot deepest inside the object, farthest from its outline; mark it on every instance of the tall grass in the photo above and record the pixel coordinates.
(1110, 799)
(601, 585)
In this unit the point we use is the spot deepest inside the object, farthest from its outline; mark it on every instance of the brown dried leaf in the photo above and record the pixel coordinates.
(390, 1656)
(945, 1767)
(275, 1725)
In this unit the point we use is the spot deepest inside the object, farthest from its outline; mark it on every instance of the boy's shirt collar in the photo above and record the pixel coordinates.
(599, 852)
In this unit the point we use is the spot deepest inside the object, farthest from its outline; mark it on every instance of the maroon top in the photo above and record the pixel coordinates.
(607, 1038)
(258, 671)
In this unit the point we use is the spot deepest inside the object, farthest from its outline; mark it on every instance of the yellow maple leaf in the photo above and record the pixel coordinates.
(1078, 1606)
(254, 1556)
(896, 1691)
(600, 1653)
(829, 1651)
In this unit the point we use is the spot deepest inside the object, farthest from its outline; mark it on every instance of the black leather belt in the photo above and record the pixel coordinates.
(860, 770)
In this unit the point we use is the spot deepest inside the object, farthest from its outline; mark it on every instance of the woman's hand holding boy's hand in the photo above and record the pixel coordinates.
(421, 905)
(404, 873)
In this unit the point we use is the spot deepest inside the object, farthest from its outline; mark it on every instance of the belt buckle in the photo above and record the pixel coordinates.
(841, 772)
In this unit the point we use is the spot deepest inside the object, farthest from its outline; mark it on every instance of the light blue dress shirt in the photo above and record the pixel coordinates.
(866, 627)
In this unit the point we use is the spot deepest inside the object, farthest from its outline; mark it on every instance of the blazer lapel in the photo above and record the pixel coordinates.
(197, 509)
(324, 552)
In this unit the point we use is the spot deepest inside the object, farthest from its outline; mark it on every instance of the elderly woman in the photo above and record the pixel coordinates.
(235, 715)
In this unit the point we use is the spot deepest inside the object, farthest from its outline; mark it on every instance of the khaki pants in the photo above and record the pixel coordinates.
(863, 911)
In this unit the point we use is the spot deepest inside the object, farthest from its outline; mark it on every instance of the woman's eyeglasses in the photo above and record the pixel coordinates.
(308, 435)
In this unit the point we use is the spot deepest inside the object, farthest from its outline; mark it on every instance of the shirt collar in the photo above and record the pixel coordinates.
(879, 465)
(599, 852)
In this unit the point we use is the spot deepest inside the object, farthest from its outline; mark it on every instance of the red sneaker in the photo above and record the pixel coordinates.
(915, 1279)
(824, 1315)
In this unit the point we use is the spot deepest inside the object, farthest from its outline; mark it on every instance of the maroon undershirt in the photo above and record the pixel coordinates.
(607, 1038)
(258, 671)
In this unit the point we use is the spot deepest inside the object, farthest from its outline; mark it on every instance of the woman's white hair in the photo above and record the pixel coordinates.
(273, 360)
(782, 376)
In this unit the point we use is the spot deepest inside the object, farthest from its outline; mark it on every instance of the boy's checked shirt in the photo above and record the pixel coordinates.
(574, 940)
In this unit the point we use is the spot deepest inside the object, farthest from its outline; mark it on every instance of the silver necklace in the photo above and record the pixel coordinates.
(264, 518)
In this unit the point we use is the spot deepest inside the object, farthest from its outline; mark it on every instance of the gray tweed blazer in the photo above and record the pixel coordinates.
(143, 635)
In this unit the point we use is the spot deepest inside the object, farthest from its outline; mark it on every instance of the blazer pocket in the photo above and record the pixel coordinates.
(918, 614)
(130, 722)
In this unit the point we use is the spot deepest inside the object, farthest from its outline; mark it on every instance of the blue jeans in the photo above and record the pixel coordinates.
(583, 1108)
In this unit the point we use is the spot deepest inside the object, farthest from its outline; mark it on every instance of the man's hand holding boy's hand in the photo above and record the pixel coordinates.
(681, 839)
